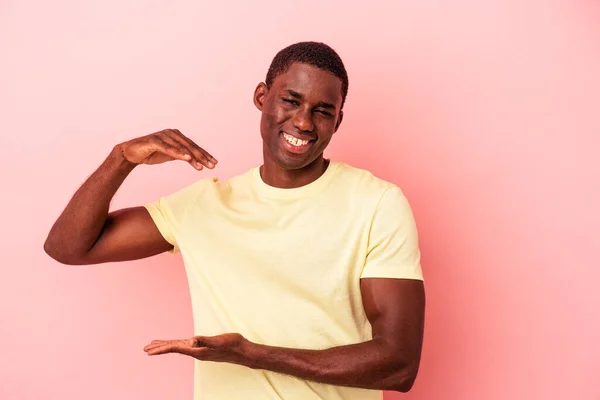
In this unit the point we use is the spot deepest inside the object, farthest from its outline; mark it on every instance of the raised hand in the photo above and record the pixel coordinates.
(166, 145)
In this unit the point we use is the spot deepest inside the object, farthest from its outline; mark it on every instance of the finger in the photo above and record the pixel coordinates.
(164, 349)
(208, 156)
(197, 159)
(192, 143)
(172, 142)
(155, 344)
(159, 342)
(202, 155)
(168, 346)
(159, 145)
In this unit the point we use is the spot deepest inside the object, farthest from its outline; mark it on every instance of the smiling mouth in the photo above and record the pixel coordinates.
(295, 145)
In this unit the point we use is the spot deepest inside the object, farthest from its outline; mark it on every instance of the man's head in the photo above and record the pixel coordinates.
(301, 100)
(318, 55)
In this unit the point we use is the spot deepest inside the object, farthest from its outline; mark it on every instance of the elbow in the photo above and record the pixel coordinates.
(404, 385)
(53, 252)
(50, 250)
(402, 380)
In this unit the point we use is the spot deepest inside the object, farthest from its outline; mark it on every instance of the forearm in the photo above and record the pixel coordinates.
(370, 365)
(80, 224)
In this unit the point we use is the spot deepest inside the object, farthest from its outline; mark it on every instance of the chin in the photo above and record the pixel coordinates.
(291, 165)
(288, 160)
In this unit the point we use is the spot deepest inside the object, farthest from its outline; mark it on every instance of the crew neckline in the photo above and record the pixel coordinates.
(301, 191)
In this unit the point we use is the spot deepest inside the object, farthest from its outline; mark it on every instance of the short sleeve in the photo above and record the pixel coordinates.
(393, 249)
(168, 212)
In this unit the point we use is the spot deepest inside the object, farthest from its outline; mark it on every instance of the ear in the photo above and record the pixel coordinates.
(260, 94)
(339, 121)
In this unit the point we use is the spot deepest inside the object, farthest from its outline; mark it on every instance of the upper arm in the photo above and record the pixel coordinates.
(392, 282)
(396, 310)
(128, 234)
(139, 232)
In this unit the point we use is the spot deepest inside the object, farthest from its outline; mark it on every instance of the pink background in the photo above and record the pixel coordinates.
(486, 113)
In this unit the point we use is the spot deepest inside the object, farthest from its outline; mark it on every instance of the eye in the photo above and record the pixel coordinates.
(325, 113)
(291, 101)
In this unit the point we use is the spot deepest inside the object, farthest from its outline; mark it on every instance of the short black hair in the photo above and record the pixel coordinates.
(317, 54)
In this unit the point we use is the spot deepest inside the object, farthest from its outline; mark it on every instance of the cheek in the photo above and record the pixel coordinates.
(267, 121)
(279, 116)
(274, 115)
(326, 127)
(325, 141)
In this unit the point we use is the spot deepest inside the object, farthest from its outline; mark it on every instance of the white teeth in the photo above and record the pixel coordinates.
(294, 141)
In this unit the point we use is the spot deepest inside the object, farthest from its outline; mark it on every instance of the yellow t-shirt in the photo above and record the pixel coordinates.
(283, 267)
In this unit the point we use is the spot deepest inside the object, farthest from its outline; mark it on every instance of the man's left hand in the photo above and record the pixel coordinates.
(228, 347)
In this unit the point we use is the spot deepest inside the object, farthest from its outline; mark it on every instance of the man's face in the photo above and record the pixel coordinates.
(300, 114)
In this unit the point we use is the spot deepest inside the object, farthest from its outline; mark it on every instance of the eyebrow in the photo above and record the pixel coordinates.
(300, 96)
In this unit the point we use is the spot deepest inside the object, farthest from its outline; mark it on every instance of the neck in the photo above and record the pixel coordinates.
(276, 176)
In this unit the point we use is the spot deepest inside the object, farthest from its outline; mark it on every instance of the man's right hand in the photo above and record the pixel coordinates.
(163, 146)
(85, 233)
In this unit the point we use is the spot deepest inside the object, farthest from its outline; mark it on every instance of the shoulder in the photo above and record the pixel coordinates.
(184, 196)
(195, 188)
(363, 182)
(215, 184)
(242, 179)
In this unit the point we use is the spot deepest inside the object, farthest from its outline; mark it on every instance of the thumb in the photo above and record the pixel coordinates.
(199, 341)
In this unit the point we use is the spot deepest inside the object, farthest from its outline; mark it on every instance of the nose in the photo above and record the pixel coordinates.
(303, 121)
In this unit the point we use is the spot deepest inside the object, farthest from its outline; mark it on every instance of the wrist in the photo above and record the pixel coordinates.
(120, 160)
(252, 354)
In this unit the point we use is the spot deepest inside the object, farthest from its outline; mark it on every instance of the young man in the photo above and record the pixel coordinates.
(304, 273)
